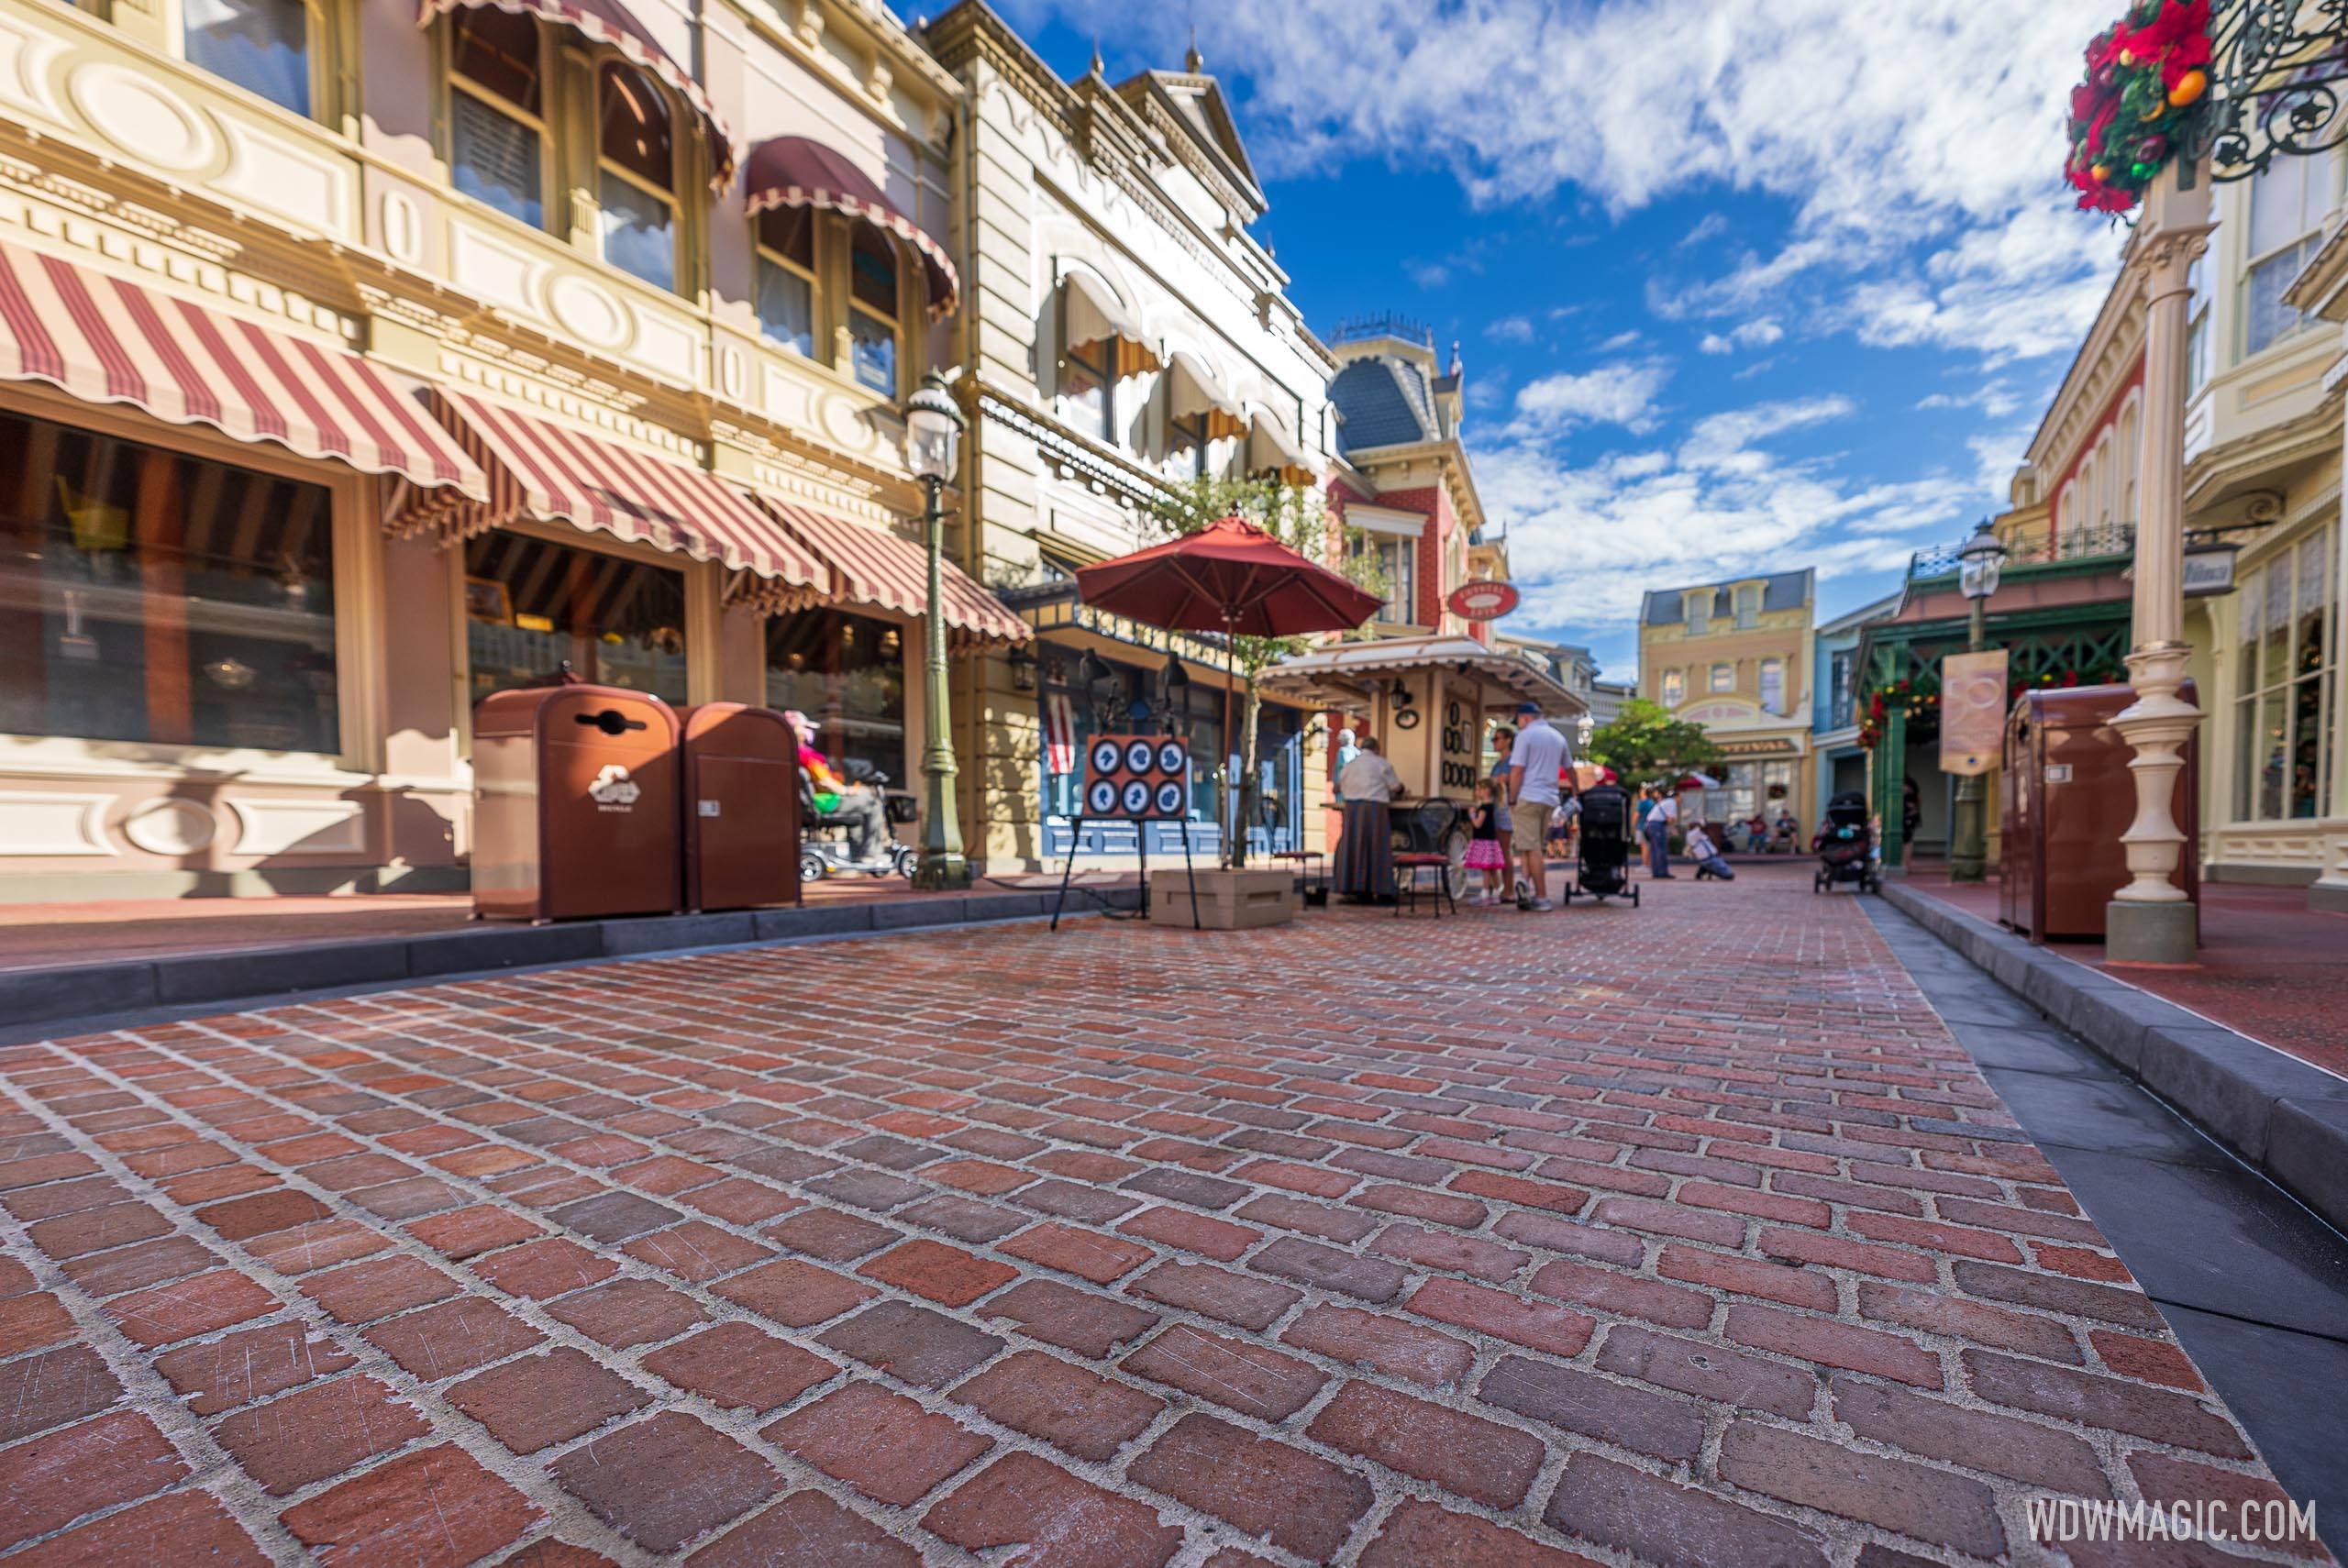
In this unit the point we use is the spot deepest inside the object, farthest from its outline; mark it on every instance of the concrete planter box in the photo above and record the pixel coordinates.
(1228, 900)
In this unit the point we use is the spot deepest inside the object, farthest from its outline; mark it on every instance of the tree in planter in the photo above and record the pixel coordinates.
(1299, 518)
(1643, 743)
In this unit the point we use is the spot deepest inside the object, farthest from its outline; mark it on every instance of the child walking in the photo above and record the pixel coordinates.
(1485, 852)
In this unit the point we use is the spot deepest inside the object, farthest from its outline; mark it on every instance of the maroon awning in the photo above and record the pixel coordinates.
(792, 171)
(608, 22)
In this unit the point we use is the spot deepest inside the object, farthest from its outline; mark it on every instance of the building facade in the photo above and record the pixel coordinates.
(1842, 761)
(371, 365)
(1735, 657)
(1125, 334)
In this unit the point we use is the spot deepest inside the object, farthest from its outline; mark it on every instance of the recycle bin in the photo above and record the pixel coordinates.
(741, 807)
(574, 804)
(2068, 793)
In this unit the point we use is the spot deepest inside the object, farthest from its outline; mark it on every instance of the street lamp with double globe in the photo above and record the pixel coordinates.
(1979, 563)
(933, 437)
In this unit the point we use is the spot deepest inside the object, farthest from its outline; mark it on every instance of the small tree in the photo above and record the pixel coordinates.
(1643, 743)
(1298, 517)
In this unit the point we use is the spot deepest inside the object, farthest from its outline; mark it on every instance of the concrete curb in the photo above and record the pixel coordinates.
(2280, 1115)
(66, 992)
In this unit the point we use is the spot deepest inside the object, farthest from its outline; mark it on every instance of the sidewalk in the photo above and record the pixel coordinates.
(2270, 966)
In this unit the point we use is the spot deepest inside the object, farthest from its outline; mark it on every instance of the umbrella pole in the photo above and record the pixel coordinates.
(1236, 852)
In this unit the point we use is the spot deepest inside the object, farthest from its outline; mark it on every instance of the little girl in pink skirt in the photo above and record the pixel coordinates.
(1485, 852)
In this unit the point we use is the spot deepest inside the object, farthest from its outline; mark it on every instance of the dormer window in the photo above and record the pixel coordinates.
(1698, 602)
(1748, 605)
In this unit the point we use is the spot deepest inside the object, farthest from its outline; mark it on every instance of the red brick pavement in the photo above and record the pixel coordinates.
(1681, 1234)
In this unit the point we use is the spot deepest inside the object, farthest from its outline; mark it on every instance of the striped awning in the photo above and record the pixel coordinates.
(873, 567)
(794, 171)
(609, 22)
(559, 473)
(108, 339)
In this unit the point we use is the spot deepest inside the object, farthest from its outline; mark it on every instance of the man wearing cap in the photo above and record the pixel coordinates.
(1534, 765)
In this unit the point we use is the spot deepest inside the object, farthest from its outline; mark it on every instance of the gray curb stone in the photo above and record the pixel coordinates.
(2281, 1115)
(62, 993)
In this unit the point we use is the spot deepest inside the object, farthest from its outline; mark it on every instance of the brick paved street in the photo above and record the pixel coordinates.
(1680, 1234)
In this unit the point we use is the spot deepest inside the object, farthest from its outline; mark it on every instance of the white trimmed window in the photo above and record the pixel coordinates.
(787, 278)
(1674, 688)
(497, 140)
(1723, 677)
(873, 307)
(2288, 202)
(1773, 685)
(262, 46)
(636, 174)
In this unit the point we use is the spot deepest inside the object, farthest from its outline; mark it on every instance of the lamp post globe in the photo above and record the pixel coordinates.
(933, 442)
(1979, 562)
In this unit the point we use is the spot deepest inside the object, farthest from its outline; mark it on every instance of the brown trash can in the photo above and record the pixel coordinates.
(2068, 793)
(741, 807)
(574, 804)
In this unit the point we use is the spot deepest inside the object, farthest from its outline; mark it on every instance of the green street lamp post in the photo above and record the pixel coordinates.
(932, 434)
(1978, 564)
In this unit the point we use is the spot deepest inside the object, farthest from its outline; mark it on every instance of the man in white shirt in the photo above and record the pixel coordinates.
(1534, 765)
(1657, 828)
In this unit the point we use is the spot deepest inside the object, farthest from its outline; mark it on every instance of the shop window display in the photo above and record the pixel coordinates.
(532, 604)
(847, 674)
(2286, 713)
(151, 597)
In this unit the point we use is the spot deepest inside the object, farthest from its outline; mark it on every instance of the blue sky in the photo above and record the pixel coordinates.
(1740, 284)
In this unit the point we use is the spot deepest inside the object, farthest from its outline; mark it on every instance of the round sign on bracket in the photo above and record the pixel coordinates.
(1483, 599)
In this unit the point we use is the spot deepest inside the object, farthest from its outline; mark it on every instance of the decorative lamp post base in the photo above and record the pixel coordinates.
(2151, 934)
(942, 871)
(2151, 920)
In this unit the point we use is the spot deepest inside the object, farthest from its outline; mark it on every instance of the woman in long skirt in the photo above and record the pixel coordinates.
(1366, 852)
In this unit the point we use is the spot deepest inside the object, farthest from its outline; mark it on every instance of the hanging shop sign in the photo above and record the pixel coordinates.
(1482, 600)
(2210, 569)
(1973, 712)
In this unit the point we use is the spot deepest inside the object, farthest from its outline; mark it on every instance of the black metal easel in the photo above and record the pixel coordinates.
(1141, 836)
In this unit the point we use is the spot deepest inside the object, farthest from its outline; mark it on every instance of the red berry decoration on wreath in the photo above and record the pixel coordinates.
(2145, 74)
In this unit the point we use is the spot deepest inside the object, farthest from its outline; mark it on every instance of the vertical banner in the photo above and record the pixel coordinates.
(1973, 712)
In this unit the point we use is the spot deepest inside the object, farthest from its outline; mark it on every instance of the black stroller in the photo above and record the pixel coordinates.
(1605, 860)
(1846, 847)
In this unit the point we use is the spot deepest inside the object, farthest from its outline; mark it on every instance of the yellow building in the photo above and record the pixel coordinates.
(355, 365)
(1734, 657)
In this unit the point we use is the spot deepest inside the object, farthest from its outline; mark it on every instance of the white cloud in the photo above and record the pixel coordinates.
(1628, 338)
(1916, 145)
(1757, 334)
(1588, 538)
(1510, 329)
(1620, 393)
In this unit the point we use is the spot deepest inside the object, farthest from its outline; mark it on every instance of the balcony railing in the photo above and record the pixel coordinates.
(2098, 540)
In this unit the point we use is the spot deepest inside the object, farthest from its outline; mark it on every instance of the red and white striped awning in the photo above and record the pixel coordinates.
(873, 567)
(794, 171)
(108, 339)
(608, 22)
(560, 473)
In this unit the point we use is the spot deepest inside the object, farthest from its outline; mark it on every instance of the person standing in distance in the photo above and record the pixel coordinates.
(1534, 764)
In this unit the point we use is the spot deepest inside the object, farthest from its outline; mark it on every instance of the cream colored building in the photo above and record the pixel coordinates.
(412, 359)
(2264, 572)
(1125, 332)
(1735, 657)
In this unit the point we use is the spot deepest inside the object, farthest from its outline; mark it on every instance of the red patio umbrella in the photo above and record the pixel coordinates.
(1229, 577)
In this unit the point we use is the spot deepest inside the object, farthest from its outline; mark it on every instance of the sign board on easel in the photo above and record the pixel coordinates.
(1134, 778)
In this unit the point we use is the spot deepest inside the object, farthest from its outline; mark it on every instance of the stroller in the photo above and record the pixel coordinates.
(1604, 863)
(1845, 846)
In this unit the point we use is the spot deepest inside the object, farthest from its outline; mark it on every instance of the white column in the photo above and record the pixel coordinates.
(2150, 921)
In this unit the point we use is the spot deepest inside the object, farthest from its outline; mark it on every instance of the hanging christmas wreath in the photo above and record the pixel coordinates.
(2146, 72)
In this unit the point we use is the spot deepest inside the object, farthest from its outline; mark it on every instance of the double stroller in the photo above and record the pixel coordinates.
(1846, 847)
(1604, 863)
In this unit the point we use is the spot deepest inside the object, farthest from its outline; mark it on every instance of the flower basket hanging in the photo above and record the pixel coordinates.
(2146, 77)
